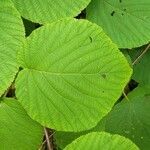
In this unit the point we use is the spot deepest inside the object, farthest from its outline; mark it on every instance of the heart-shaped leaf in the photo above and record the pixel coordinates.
(71, 78)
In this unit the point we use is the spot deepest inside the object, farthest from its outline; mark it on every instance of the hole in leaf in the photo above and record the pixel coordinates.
(91, 39)
(113, 12)
(20, 68)
(104, 76)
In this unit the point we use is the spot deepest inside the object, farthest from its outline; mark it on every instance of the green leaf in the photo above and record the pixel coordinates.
(44, 11)
(17, 129)
(11, 37)
(127, 22)
(127, 56)
(62, 139)
(71, 78)
(131, 118)
(142, 68)
(101, 141)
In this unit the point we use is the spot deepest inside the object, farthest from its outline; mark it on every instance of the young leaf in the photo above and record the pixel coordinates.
(72, 75)
(49, 10)
(17, 129)
(11, 37)
(131, 118)
(101, 141)
(127, 22)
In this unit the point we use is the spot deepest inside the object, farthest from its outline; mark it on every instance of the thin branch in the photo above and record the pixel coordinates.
(47, 140)
(141, 55)
(126, 97)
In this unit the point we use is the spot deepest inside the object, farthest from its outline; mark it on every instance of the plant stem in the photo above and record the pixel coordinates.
(47, 140)
(126, 97)
(139, 57)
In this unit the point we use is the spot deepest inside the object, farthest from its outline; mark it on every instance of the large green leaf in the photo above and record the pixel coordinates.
(127, 22)
(131, 118)
(101, 141)
(11, 37)
(17, 129)
(71, 78)
(43, 11)
(142, 68)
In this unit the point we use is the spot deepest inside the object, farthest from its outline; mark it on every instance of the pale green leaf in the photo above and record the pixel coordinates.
(17, 130)
(11, 37)
(127, 22)
(72, 75)
(131, 118)
(101, 141)
(43, 11)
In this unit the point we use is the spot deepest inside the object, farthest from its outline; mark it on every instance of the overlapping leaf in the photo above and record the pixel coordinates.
(11, 37)
(101, 141)
(17, 129)
(43, 11)
(131, 118)
(142, 66)
(127, 22)
(72, 75)
(62, 139)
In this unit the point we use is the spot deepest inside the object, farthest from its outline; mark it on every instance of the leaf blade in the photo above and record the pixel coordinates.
(49, 11)
(71, 75)
(17, 128)
(11, 39)
(103, 141)
(135, 112)
(126, 22)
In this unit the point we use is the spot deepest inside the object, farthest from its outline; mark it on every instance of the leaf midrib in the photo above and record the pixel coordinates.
(62, 73)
